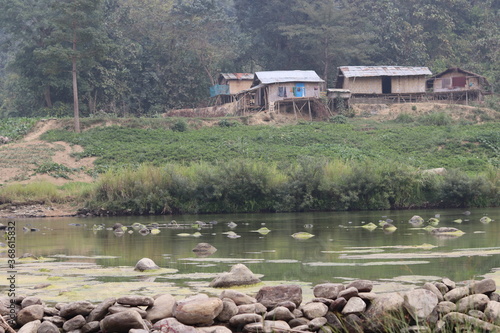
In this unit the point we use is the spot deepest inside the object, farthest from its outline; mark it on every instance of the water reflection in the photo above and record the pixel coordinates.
(340, 248)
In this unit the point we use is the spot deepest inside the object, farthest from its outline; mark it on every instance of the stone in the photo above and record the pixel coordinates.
(456, 294)
(268, 326)
(239, 275)
(48, 327)
(288, 304)
(328, 290)
(431, 287)
(494, 296)
(162, 307)
(270, 296)
(50, 311)
(30, 313)
(334, 322)
(137, 330)
(31, 327)
(90, 327)
(477, 314)
(74, 323)
(239, 298)
(145, 264)
(354, 305)
(252, 308)
(317, 323)
(119, 308)
(136, 300)
(383, 310)
(314, 310)
(241, 320)
(31, 300)
(70, 310)
(100, 311)
(354, 324)
(280, 313)
(204, 250)
(338, 304)
(420, 303)
(229, 309)
(485, 286)
(214, 329)
(198, 310)
(363, 286)
(56, 320)
(446, 307)
(472, 302)
(449, 283)
(348, 293)
(442, 287)
(302, 321)
(122, 322)
(172, 325)
(492, 312)
(473, 324)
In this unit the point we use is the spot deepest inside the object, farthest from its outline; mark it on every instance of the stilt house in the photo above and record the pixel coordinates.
(229, 85)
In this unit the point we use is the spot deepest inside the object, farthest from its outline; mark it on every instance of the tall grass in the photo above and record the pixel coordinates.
(308, 184)
(39, 192)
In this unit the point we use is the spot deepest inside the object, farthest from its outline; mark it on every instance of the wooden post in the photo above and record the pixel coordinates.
(294, 109)
(309, 106)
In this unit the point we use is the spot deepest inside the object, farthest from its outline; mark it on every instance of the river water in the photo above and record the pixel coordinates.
(340, 250)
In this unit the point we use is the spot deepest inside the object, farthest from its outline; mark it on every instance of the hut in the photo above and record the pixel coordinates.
(286, 89)
(400, 83)
(229, 85)
(459, 85)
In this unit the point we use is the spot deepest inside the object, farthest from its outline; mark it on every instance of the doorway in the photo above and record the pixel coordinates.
(386, 85)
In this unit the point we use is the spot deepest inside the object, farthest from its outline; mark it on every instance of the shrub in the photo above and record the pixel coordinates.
(179, 126)
(338, 119)
(404, 118)
(437, 119)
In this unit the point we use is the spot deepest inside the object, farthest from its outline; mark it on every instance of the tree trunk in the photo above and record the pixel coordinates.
(76, 110)
(46, 95)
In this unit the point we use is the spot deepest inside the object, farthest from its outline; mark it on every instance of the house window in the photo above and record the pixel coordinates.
(459, 81)
(282, 91)
(446, 82)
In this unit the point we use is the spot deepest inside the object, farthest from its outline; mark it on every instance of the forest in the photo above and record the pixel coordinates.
(144, 58)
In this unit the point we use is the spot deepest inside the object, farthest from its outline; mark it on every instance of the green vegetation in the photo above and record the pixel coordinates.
(467, 148)
(16, 128)
(145, 58)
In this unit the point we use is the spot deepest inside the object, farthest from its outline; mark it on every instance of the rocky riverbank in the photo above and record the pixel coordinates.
(441, 306)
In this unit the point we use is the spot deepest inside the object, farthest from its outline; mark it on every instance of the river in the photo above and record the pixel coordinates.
(76, 260)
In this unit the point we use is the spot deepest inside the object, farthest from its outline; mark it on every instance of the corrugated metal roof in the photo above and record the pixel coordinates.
(287, 76)
(237, 76)
(367, 71)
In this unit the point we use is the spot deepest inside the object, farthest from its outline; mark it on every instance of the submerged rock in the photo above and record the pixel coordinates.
(145, 264)
(239, 275)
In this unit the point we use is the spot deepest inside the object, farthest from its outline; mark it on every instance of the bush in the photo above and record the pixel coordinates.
(338, 119)
(179, 126)
(404, 118)
(436, 119)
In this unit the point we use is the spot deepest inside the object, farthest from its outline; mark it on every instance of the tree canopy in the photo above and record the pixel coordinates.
(144, 58)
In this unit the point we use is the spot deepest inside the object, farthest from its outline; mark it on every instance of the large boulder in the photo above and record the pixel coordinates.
(76, 308)
(122, 322)
(420, 303)
(162, 308)
(172, 325)
(239, 275)
(270, 296)
(198, 310)
(30, 313)
(100, 311)
(204, 250)
(145, 264)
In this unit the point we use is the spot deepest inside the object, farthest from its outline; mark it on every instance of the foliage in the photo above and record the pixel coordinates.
(54, 169)
(404, 118)
(436, 118)
(179, 126)
(338, 119)
(16, 128)
(40, 192)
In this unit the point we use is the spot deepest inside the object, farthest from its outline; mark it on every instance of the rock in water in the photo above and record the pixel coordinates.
(239, 275)
(145, 264)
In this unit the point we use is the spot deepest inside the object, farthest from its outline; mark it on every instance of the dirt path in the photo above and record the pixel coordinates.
(19, 161)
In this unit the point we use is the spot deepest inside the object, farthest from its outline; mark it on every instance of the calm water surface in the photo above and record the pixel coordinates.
(339, 251)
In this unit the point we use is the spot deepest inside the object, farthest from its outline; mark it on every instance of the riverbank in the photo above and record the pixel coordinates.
(439, 306)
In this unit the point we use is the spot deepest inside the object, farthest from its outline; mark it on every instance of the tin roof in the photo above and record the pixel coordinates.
(237, 76)
(287, 76)
(367, 71)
